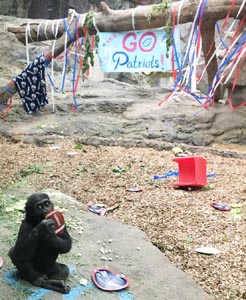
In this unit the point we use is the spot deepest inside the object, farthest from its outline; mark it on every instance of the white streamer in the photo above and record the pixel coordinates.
(133, 18)
(55, 32)
(57, 28)
(26, 38)
(235, 65)
(38, 29)
(53, 27)
(71, 13)
(179, 11)
(94, 23)
(45, 30)
(216, 82)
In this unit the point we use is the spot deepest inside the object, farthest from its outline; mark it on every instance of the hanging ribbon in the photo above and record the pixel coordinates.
(191, 56)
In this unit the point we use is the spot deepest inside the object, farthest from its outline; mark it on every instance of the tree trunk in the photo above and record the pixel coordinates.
(139, 18)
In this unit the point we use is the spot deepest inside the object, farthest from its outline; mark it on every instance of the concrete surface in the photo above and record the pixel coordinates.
(130, 252)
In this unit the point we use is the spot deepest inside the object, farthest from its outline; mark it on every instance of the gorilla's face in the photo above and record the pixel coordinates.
(37, 206)
(42, 207)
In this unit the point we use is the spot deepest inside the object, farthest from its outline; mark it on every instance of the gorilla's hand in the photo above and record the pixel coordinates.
(45, 226)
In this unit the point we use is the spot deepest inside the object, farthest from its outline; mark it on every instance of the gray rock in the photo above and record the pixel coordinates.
(151, 274)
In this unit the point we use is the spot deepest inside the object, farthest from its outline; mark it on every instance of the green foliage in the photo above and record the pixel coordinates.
(187, 242)
(200, 214)
(11, 213)
(82, 170)
(89, 52)
(119, 170)
(161, 8)
(224, 238)
(79, 147)
(6, 202)
(32, 169)
(207, 188)
(236, 213)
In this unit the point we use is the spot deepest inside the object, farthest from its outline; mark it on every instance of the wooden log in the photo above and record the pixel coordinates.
(145, 17)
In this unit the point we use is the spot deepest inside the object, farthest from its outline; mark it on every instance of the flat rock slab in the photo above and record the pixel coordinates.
(100, 241)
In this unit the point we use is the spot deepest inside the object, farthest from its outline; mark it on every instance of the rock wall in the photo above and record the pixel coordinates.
(54, 9)
(113, 111)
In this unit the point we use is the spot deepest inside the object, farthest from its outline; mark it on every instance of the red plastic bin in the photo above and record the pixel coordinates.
(192, 171)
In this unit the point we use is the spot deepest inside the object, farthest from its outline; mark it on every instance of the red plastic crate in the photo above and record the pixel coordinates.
(192, 171)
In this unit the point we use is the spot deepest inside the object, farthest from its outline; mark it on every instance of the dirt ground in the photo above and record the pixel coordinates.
(177, 221)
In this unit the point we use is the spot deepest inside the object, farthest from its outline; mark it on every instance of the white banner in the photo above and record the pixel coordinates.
(138, 51)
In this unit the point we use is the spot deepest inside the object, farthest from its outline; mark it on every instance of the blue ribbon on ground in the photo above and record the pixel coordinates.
(175, 173)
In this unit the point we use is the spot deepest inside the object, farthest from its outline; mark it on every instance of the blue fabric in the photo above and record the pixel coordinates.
(31, 85)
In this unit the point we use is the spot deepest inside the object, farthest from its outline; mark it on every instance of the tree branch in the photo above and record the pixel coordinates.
(145, 17)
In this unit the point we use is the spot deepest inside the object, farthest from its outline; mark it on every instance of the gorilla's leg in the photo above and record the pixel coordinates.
(29, 273)
(52, 284)
(25, 268)
(58, 271)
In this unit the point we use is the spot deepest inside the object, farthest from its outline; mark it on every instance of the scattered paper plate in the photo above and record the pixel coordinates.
(96, 209)
(221, 206)
(1, 262)
(108, 280)
(54, 147)
(134, 189)
(72, 153)
(207, 250)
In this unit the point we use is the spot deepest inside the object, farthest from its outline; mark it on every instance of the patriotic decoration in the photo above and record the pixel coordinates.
(31, 85)
(235, 52)
(137, 51)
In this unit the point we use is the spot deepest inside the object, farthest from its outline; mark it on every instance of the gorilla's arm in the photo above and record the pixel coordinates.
(59, 243)
(28, 238)
(27, 241)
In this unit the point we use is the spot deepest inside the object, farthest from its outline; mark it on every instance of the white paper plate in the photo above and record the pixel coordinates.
(207, 250)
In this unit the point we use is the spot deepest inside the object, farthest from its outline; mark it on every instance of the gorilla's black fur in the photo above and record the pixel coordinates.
(37, 247)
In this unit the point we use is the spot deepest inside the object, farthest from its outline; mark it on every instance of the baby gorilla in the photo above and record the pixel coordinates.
(38, 246)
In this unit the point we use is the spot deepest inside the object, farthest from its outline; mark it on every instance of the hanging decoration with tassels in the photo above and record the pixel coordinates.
(185, 77)
(83, 55)
(184, 72)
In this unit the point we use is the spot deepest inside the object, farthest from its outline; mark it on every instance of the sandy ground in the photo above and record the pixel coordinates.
(177, 221)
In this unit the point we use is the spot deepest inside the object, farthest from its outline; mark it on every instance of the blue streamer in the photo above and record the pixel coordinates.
(166, 175)
(219, 32)
(211, 175)
(176, 173)
(2, 106)
(194, 38)
(8, 90)
(75, 67)
(223, 64)
(176, 52)
(72, 39)
(63, 77)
